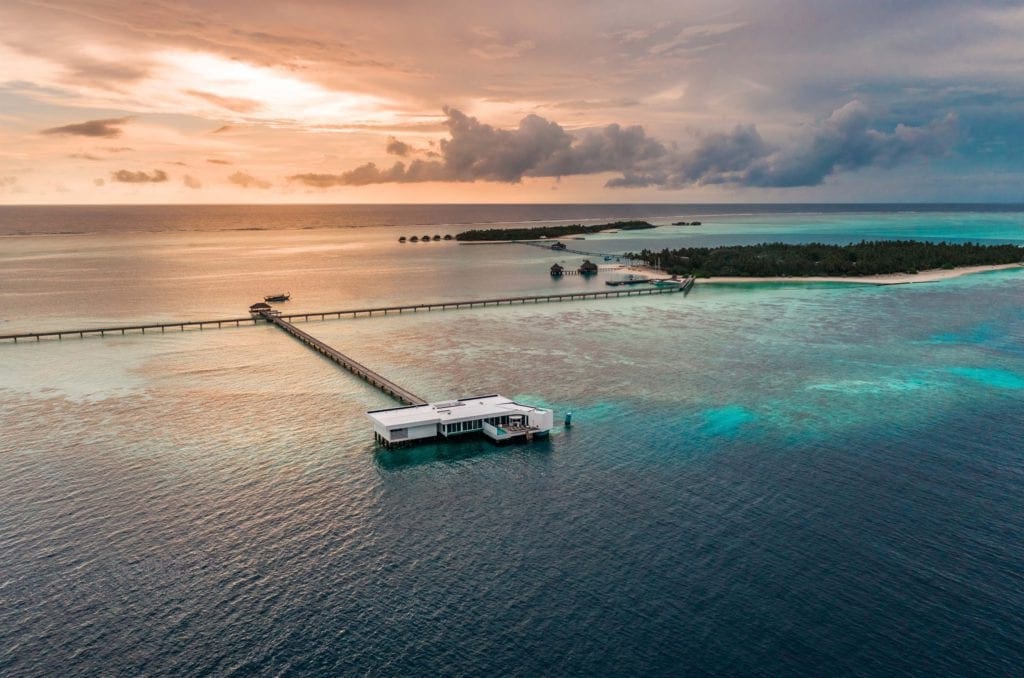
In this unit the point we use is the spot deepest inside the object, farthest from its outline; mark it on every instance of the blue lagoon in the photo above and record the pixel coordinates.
(761, 478)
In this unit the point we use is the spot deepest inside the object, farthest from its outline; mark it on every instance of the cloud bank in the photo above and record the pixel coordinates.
(845, 141)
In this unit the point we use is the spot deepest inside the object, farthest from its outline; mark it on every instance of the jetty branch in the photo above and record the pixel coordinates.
(495, 416)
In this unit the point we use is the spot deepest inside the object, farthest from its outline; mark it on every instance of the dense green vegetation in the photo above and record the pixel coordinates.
(863, 258)
(547, 231)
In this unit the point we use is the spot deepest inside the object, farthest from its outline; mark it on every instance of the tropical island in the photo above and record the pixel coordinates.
(537, 232)
(866, 258)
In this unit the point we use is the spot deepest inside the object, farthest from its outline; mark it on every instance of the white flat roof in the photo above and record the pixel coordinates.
(448, 411)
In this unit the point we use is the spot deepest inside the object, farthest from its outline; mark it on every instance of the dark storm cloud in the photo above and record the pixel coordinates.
(108, 128)
(478, 151)
(718, 158)
(613, 148)
(475, 151)
(129, 177)
(845, 141)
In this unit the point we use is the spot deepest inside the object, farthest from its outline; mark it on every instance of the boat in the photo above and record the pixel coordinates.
(278, 297)
(558, 246)
(629, 279)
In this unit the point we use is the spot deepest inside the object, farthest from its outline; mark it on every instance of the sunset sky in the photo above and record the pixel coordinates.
(106, 101)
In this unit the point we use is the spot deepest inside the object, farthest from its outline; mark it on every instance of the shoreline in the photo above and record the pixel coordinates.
(934, 275)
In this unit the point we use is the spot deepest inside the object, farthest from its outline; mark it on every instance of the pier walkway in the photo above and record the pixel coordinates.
(383, 383)
(180, 325)
(330, 315)
(546, 245)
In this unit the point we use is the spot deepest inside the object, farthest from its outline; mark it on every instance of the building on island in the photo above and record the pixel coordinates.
(495, 416)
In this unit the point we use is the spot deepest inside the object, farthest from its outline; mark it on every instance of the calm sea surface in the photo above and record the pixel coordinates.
(761, 479)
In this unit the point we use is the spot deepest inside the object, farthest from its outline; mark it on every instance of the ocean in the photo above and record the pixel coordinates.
(760, 479)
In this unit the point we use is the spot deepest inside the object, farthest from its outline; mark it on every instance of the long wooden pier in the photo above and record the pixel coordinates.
(180, 325)
(183, 325)
(475, 303)
(356, 368)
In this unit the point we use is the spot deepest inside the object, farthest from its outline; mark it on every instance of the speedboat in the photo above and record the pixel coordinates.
(278, 297)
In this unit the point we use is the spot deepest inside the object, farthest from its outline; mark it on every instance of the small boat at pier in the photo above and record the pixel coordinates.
(278, 297)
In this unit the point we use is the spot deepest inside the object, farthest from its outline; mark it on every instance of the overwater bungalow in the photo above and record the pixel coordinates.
(588, 267)
(402, 239)
(495, 416)
(557, 271)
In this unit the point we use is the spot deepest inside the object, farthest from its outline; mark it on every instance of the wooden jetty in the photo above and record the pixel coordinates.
(345, 313)
(356, 368)
(546, 245)
(180, 325)
(475, 303)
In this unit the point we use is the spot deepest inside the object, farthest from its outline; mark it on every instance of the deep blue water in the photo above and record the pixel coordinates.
(760, 479)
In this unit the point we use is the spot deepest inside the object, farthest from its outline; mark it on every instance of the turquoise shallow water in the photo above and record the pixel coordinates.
(762, 478)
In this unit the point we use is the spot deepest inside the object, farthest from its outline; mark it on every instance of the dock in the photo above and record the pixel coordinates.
(365, 373)
(183, 325)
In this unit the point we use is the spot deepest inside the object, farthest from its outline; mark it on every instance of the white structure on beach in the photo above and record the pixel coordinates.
(495, 416)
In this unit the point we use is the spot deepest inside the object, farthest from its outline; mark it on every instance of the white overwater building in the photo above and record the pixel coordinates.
(495, 416)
